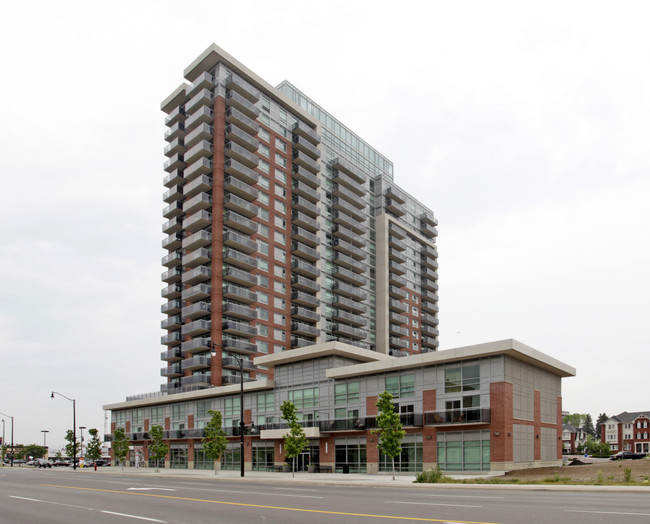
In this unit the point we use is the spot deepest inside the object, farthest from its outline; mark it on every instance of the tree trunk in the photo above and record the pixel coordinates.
(293, 467)
(393, 459)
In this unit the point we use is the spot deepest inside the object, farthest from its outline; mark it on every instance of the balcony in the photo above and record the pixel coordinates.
(239, 242)
(349, 196)
(203, 166)
(396, 256)
(429, 273)
(344, 206)
(175, 131)
(237, 169)
(201, 150)
(349, 305)
(171, 371)
(430, 295)
(234, 379)
(426, 318)
(241, 206)
(175, 115)
(196, 293)
(240, 259)
(233, 363)
(172, 355)
(302, 220)
(200, 201)
(239, 328)
(196, 258)
(304, 299)
(201, 132)
(175, 225)
(205, 80)
(305, 176)
(175, 177)
(172, 242)
(396, 305)
(236, 100)
(197, 240)
(350, 276)
(395, 342)
(172, 307)
(430, 251)
(171, 323)
(196, 345)
(304, 145)
(204, 115)
(238, 276)
(301, 342)
(399, 331)
(348, 235)
(428, 219)
(239, 311)
(349, 291)
(240, 223)
(359, 227)
(395, 208)
(302, 204)
(429, 331)
(241, 154)
(395, 195)
(173, 194)
(242, 87)
(307, 330)
(202, 98)
(197, 362)
(306, 269)
(429, 284)
(303, 160)
(351, 183)
(174, 209)
(242, 189)
(396, 231)
(396, 280)
(196, 328)
(398, 318)
(396, 244)
(304, 284)
(349, 249)
(396, 292)
(236, 117)
(171, 339)
(303, 130)
(349, 331)
(198, 221)
(301, 313)
(303, 251)
(349, 263)
(428, 231)
(349, 318)
(305, 191)
(239, 293)
(397, 269)
(171, 292)
(457, 416)
(197, 310)
(430, 306)
(430, 342)
(196, 275)
(198, 379)
(239, 346)
(302, 235)
(346, 167)
(201, 184)
(172, 276)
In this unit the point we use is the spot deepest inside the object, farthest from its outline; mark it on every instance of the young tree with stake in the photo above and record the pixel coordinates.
(214, 441)
(296, 440)
(157, 449)
(390, 431)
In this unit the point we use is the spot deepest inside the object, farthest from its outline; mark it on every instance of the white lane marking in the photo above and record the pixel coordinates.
(296, 489)
(149, 489)
(430, 504)
(239, 492)
(461, 497)
(24, 498)
(51, 502)
(133, 516)
(607, 512)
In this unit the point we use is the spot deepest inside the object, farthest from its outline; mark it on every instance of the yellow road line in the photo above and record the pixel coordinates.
(394, 517)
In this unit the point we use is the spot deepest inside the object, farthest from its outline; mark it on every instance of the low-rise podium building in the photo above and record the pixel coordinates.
(487, 407)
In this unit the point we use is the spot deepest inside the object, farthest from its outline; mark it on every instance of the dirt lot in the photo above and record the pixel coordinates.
(611, 472)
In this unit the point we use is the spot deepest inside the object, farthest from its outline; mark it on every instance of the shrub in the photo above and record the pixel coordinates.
(628, 475)
(430, 476)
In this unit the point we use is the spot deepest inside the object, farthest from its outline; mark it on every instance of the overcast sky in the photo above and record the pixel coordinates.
(524, 128)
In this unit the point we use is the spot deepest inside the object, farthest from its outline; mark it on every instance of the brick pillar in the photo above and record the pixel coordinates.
(429, 400)
(558, 424)
(537, 426)
(501, 413)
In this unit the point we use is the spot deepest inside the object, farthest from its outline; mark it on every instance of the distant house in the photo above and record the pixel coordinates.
(572, 438)
(627, 432)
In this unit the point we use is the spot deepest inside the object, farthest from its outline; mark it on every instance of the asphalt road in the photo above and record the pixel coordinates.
(56, 496)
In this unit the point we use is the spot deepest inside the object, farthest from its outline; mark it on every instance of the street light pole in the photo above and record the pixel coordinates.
(12, 437)
(45, 432)
(74, 426)
(3, 443)
(242, 424)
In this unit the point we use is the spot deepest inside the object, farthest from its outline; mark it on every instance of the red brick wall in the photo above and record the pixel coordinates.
(371, 406)
(501, 447)
(429, 400)
(190, 422)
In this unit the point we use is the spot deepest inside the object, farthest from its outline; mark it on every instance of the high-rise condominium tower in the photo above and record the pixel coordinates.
(283, 229)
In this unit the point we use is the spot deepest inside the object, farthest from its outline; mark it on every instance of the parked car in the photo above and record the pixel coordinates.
(60, 462)
(42, 463)
(621, 455)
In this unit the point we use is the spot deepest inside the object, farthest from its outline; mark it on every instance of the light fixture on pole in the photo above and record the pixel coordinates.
(242, 425)
(81, 444)
(45, 432)
(74, 426)
(12, 436)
